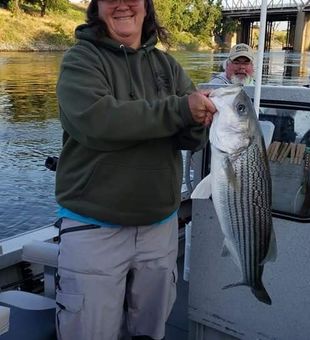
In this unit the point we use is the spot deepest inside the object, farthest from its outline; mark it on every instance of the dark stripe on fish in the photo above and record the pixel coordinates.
(249, 229)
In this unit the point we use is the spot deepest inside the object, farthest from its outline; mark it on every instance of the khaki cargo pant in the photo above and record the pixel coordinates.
(101, 270)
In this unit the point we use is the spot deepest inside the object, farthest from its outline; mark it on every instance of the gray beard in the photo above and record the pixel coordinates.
(245, 81)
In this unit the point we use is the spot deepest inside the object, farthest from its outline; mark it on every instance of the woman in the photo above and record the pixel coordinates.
(127, 109)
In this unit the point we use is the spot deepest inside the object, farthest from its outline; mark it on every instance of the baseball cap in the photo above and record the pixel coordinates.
(241, 50)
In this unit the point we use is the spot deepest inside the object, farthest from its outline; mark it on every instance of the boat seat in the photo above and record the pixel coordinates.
(46, 254)
(267, 130)
(25, 300)
(27, 316)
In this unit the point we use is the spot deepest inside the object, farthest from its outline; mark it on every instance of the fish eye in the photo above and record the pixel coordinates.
(241, 108)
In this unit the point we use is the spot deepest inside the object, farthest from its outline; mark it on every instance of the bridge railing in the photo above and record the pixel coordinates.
(233, 5)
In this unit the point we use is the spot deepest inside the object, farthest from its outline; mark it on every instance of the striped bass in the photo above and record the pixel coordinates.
(240, 185)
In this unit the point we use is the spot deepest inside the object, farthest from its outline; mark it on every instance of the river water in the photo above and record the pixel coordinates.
(30, 130)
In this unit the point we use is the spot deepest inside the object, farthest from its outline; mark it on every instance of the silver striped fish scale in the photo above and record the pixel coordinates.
(249, 212)
(240, 185)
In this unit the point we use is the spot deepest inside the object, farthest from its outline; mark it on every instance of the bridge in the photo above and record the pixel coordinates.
(295, 12)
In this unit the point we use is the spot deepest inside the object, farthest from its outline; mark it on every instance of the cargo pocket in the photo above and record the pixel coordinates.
(173, 290)
(69, 321)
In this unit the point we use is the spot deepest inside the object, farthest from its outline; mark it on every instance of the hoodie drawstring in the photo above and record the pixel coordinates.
(155, 75)
(132, 93)
(153, 71)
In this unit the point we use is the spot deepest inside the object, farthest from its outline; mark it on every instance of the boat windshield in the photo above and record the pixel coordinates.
(289, 160)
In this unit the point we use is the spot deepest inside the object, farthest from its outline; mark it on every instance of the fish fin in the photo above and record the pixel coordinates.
(272, 250)
(225, 250)
(262, 295)
(230, 173)
(229, 250)
(203, 189)
(259, 292)
(237, 284)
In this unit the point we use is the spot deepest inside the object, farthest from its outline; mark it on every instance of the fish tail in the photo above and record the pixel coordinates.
(261, 294)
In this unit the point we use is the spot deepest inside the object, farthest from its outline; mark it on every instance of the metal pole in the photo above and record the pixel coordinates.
(260, 56)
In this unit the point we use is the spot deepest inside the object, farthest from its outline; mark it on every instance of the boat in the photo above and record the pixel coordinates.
(203, 310)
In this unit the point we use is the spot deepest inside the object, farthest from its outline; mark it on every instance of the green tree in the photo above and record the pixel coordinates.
(53, 5)
(205, 17)
(224, 27)
(190, 23)
(14, 6)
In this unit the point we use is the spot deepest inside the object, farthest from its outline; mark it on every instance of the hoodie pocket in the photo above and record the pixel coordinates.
(123, 188)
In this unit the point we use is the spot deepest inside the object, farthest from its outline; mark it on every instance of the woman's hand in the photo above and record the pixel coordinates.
(201, 107)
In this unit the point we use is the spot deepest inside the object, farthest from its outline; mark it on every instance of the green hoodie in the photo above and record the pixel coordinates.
(125, 117)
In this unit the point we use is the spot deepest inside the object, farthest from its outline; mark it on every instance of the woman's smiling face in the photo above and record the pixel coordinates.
(124, 20)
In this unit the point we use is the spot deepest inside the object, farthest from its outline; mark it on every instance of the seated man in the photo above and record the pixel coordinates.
(238, 67)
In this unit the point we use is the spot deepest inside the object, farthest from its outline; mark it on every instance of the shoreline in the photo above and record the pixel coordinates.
(56, 48)
(37, 48)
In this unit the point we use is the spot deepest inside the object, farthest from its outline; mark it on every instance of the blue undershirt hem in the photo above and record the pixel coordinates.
(66, 213)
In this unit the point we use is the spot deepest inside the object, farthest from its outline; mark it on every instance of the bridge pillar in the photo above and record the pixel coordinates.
(306, 40)
(244, 34)
(302, 32)
(290, 34)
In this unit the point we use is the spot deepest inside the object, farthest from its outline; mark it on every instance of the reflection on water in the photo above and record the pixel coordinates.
(279, 68)
(27, 85)
(30, 130)
(286, 68)
(200, 65)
